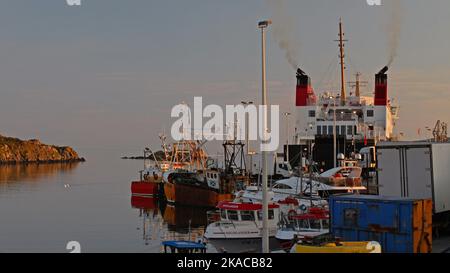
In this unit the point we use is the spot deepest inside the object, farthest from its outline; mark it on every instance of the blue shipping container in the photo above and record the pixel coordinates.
(400, 225)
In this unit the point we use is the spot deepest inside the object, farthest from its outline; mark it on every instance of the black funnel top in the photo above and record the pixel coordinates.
(383, 71)
(300, 72)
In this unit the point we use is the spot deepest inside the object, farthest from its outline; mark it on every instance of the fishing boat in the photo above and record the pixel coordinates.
(184, 188)
(151, 177)
(205, 184)
(149, 185)
(294, 226)
(239, 227)
(181, 156)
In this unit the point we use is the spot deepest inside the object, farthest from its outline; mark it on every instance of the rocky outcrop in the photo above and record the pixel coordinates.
(16, 151)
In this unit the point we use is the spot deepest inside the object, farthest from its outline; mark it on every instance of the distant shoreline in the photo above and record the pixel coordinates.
(15, 151)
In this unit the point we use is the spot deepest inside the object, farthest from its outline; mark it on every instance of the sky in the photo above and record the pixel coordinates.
(107, 74)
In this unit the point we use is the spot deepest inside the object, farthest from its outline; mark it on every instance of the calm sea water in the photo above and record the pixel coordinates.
(43, 207)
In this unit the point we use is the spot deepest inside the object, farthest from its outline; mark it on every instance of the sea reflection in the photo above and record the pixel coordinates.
(33, 172)
(160, 222)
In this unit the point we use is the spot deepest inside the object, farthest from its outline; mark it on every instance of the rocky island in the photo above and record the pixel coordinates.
(16, 151)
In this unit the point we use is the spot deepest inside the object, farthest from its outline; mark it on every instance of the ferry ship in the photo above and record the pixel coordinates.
(330, 124)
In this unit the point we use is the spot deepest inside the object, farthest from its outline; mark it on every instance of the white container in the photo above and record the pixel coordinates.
(416, 170)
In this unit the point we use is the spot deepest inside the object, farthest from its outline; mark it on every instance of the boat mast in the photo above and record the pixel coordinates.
(342, 56)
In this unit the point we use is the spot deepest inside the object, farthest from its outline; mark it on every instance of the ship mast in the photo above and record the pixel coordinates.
(342, 56)
(358, 84)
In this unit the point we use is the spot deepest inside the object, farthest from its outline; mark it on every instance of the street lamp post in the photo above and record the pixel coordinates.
(265, 202)
(287, 136)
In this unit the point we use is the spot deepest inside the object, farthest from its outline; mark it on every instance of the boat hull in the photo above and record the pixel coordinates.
(191, 195)
(146, 189)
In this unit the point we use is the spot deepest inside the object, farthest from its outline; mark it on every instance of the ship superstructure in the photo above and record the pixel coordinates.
(348, 121)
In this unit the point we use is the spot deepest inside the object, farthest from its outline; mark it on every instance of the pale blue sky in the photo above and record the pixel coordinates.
(107, 73)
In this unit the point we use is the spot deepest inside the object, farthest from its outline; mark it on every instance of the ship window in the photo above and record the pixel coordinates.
(350, 130)
(312, 114)
(319, 130)
(315, 224)
(233, 215)
(282, 187)
(271, 214)
(247, 215)
(370, 113)
(330, 130)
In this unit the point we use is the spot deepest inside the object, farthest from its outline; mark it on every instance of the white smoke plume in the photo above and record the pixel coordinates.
(283, 31)
(394, 28)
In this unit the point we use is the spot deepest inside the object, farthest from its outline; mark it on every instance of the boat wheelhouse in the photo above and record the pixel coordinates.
(298, 226)
(239, 227)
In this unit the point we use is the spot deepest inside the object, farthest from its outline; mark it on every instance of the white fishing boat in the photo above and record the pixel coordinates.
(344, 179)
(239, 228)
